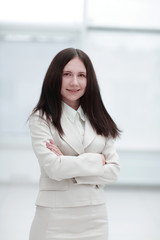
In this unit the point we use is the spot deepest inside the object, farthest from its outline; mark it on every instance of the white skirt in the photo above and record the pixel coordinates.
(70, 223)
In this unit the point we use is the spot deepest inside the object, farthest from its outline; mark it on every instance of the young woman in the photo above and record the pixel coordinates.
(73, 139)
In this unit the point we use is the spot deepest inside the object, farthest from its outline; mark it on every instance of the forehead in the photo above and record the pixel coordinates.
(75, 65)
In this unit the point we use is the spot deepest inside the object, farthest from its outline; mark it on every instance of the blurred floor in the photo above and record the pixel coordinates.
(134, 212)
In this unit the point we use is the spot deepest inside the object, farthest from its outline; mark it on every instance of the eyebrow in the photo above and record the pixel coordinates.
(78, 72)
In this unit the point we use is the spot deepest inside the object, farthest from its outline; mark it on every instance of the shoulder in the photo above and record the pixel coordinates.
(38, 117)
(38, 124)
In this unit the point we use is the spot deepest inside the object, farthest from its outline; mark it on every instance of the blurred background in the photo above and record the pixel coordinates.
(122, 38)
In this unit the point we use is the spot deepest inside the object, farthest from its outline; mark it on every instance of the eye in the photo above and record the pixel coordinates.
(67, 74)
(82, 75)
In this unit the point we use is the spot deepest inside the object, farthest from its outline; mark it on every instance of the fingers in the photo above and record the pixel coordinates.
(103, 159)
(51, 141)
(51, 145)
(54, 149)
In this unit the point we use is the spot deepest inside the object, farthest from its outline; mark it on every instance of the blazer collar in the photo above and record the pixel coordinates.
(89, 133)
(70, 135)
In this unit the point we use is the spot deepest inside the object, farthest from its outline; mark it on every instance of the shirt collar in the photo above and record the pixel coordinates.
(71, 113)
(81, 113)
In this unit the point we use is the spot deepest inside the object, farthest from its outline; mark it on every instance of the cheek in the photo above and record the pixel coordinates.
(84, 84)
(63, 86)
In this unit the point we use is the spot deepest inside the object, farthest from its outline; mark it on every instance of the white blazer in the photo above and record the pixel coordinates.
(77, 177)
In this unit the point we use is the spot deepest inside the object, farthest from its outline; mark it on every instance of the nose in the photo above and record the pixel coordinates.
(74, 80)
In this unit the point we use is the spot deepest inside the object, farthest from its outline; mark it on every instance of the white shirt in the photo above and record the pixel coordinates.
(77, 118)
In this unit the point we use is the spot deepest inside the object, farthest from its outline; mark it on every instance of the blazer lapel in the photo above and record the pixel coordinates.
(70, 135)
(89, 133)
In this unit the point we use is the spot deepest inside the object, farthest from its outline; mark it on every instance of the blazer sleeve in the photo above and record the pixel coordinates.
(61, 167)
(111, 169)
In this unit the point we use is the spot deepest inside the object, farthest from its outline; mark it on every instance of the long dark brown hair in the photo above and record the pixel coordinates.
(91, 102)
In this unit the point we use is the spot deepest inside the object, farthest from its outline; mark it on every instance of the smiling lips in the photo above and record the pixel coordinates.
(73, 90)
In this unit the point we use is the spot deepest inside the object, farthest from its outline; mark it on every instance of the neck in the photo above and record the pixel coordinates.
(74, 105)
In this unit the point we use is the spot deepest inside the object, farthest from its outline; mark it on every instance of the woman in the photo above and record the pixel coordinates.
(73, 139)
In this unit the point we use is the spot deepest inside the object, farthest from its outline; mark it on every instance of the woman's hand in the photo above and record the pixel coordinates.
(52, 146)
(103, 159)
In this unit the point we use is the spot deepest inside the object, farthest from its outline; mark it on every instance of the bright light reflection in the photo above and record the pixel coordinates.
(41, 11)
(124, 13)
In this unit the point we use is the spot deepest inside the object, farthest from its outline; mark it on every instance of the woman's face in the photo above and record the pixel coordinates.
(74, 82)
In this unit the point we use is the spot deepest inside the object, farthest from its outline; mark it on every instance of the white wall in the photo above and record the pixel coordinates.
(127, 65)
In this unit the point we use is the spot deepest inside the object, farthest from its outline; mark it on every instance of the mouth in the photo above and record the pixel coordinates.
(73, 90)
